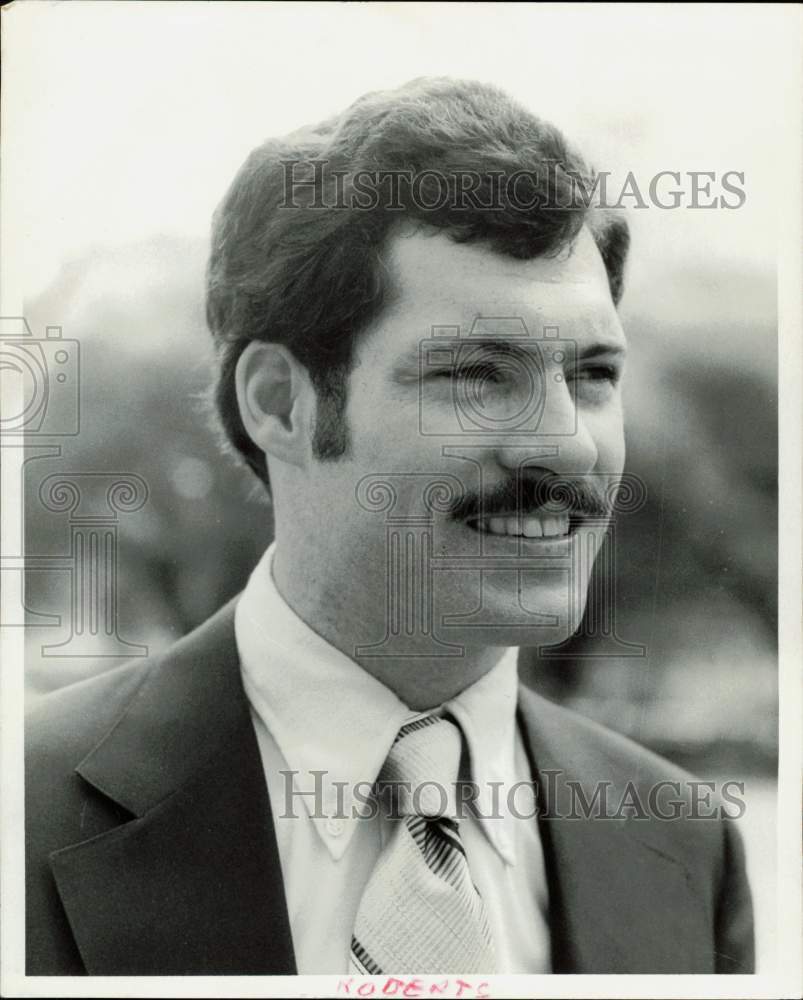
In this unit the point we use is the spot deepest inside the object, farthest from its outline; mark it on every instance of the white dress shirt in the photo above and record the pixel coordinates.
(316, 710)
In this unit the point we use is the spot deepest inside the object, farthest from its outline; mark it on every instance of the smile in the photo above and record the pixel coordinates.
(531, 526)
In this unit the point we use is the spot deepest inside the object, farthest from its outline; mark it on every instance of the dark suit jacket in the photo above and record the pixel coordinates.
(151, 847)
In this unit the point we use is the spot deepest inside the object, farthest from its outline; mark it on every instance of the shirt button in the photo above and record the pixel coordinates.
(335, 826)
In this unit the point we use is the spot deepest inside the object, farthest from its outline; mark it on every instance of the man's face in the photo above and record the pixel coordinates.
(484, 377)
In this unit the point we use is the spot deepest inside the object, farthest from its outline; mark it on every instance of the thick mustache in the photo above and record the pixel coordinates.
(554, 494)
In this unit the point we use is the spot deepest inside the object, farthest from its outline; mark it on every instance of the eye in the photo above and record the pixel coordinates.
(598, 373)
(595, 383)
(479, 372)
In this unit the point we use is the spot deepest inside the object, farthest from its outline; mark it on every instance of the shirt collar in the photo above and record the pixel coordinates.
(486, 712)
(327, 714)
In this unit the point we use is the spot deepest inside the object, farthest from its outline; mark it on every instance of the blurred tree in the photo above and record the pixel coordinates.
(696, 565)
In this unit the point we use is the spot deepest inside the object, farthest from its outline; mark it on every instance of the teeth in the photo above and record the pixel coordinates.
(548, 526)
(532, 527)
(551, 527)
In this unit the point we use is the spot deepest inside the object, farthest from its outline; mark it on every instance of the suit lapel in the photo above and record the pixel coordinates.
(192, 884)
(611, 881)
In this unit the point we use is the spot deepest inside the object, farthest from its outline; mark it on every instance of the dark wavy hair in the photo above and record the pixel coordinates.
(296, 243)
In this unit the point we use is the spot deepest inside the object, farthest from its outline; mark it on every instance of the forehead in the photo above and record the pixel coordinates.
(439, 282)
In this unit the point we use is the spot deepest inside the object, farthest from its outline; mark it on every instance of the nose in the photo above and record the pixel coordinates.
(559, 440)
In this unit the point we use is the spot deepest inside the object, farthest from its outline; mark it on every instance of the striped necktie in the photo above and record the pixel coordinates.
(420, 912)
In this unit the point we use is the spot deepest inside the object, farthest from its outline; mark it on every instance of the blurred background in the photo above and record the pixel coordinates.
(128, 144)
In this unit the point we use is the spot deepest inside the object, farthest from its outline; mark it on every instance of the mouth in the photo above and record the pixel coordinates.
(530, 526)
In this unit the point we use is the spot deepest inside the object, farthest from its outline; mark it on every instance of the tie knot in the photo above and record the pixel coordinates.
(421, 769)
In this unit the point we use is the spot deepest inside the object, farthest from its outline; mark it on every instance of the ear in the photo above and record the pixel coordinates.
(273, 391)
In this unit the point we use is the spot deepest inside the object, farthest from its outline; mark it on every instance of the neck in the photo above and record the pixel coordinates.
(425, 682)
(421, 671)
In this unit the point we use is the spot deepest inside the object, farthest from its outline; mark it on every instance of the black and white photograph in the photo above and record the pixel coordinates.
(401, 470)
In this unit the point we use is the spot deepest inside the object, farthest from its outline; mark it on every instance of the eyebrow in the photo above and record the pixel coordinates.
(606, 348)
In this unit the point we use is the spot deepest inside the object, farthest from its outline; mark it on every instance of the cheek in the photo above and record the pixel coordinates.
(384, 429)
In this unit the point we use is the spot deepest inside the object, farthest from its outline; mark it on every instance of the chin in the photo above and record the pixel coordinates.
(539, 613)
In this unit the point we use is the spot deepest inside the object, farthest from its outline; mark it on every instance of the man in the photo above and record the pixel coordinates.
(420, 358)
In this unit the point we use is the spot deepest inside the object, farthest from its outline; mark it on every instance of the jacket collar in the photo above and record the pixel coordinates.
(190, 703)
(611, 880)
(193, 883)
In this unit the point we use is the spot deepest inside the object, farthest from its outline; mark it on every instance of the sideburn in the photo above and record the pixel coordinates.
(331, 438)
